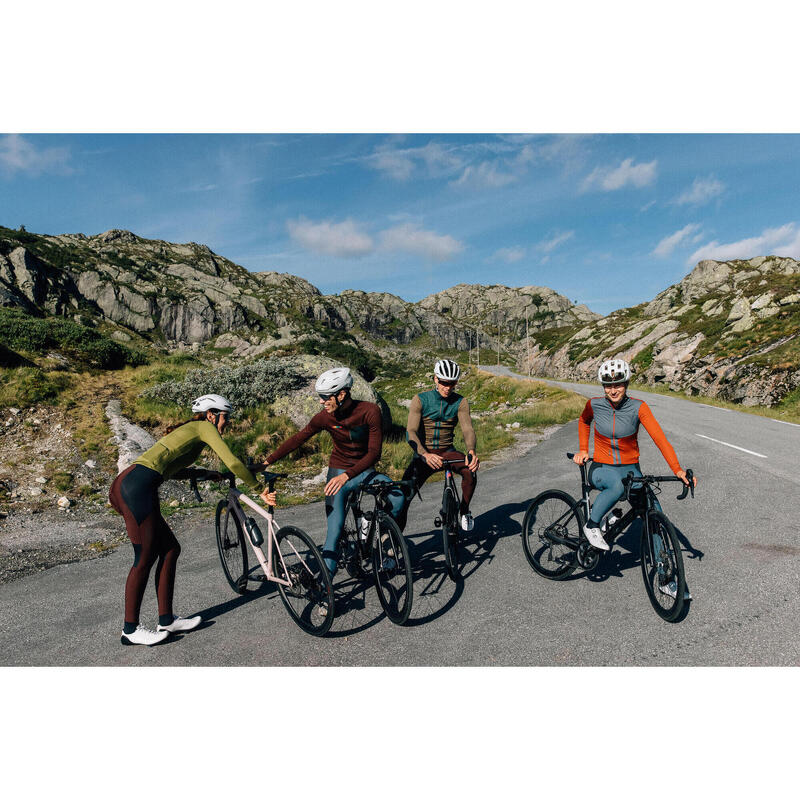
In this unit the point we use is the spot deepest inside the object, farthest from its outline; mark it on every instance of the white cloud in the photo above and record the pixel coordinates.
(701, 191)
(647, 206)
(342, 239)
(509, 254)
(486, 175)
(668, 244)
(782, 241)
(609, 179)
(488, 164)
(410, 238)
(20, 155)
(548, 245)
(433, 160)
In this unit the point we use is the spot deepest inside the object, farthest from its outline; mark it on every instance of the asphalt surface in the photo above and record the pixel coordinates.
(741, 552)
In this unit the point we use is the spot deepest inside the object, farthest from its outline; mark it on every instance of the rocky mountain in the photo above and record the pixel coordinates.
(728, 329)
(174, 294)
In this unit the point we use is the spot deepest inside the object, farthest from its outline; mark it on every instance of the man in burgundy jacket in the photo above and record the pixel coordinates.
(355, 427)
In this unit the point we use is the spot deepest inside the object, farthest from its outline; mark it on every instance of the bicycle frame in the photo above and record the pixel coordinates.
(235, 498)
(449, 480)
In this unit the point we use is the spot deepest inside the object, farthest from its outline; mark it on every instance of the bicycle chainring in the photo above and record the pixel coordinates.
(588, 556)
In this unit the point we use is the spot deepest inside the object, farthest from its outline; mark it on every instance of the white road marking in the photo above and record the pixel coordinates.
(734, 446)
(781, 422)
(718, 408)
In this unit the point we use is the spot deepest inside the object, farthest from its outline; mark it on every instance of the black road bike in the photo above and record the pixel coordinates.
(447, 519)
(372, 547)
(555, 545)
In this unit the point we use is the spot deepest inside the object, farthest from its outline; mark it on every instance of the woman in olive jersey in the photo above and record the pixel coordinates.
(134, 494)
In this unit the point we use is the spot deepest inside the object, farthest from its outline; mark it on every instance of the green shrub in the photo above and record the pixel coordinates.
(246, 387)
(26, 386)
(35, 335)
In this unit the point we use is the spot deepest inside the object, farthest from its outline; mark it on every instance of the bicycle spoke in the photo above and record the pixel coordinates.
(392, 570)
(309, 597)
(662, 567)
(232, 547)
(551, 534)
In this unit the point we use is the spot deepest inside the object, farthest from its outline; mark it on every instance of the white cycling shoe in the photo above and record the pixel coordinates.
(467, 522)
(181, 625)
(143, 636)
(595, 537)
(671, 589)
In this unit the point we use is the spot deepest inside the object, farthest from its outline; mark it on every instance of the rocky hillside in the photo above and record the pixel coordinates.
(155, 292)
(728, 330)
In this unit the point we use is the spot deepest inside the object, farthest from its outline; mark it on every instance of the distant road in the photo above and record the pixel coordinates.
(742, 556)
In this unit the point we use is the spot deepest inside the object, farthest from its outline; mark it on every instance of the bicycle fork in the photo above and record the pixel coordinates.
(656, 551)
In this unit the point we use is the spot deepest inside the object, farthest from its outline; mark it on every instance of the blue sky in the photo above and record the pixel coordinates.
(607, 220)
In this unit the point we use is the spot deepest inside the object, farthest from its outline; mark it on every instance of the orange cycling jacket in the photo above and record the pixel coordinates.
(616, 431)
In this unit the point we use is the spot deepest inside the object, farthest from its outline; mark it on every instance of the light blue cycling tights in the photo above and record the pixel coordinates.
(608, 479)
(335, 509)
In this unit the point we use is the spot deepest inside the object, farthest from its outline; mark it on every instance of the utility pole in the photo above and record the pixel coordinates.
(478, 341)
(527, 341)
(498, 346)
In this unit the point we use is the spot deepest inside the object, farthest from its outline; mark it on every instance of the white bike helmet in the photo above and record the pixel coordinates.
(332, 381)
(616, 370)
(211, 402)
(446, 370)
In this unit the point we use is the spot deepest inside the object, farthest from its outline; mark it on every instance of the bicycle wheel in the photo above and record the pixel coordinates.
(551, 531)
(450, 534)
(232, 547)
(352, 548)
(309, 599)
(392, 569)
(662, 567)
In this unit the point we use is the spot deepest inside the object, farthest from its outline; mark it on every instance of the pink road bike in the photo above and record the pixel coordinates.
(292, 561)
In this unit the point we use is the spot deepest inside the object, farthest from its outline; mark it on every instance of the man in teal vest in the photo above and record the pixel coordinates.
(432, 419)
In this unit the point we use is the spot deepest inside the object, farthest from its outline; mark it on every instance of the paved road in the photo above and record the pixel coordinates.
(742, 559)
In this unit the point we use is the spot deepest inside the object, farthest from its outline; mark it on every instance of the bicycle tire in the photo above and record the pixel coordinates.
(450, 534)
(558, 513)
(350, 545)
(311, 588)
(668, 568)
(232, 548)
(392, 569)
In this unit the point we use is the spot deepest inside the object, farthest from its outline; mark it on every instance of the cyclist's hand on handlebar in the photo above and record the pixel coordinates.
(432, 460)
(268, 497)
(681, 473)
(334, 484)
(472, 461)
(582, 457)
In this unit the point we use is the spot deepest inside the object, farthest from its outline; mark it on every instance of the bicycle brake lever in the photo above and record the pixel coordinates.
(689, 486)
(193, 484)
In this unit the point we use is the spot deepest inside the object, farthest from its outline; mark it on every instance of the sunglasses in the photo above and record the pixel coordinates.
(447, 383)
(325, 397)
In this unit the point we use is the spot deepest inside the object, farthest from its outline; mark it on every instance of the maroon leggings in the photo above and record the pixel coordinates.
(423, 472)
(134, 494)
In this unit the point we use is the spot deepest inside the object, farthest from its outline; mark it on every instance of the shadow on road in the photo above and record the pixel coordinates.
(212, 612)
